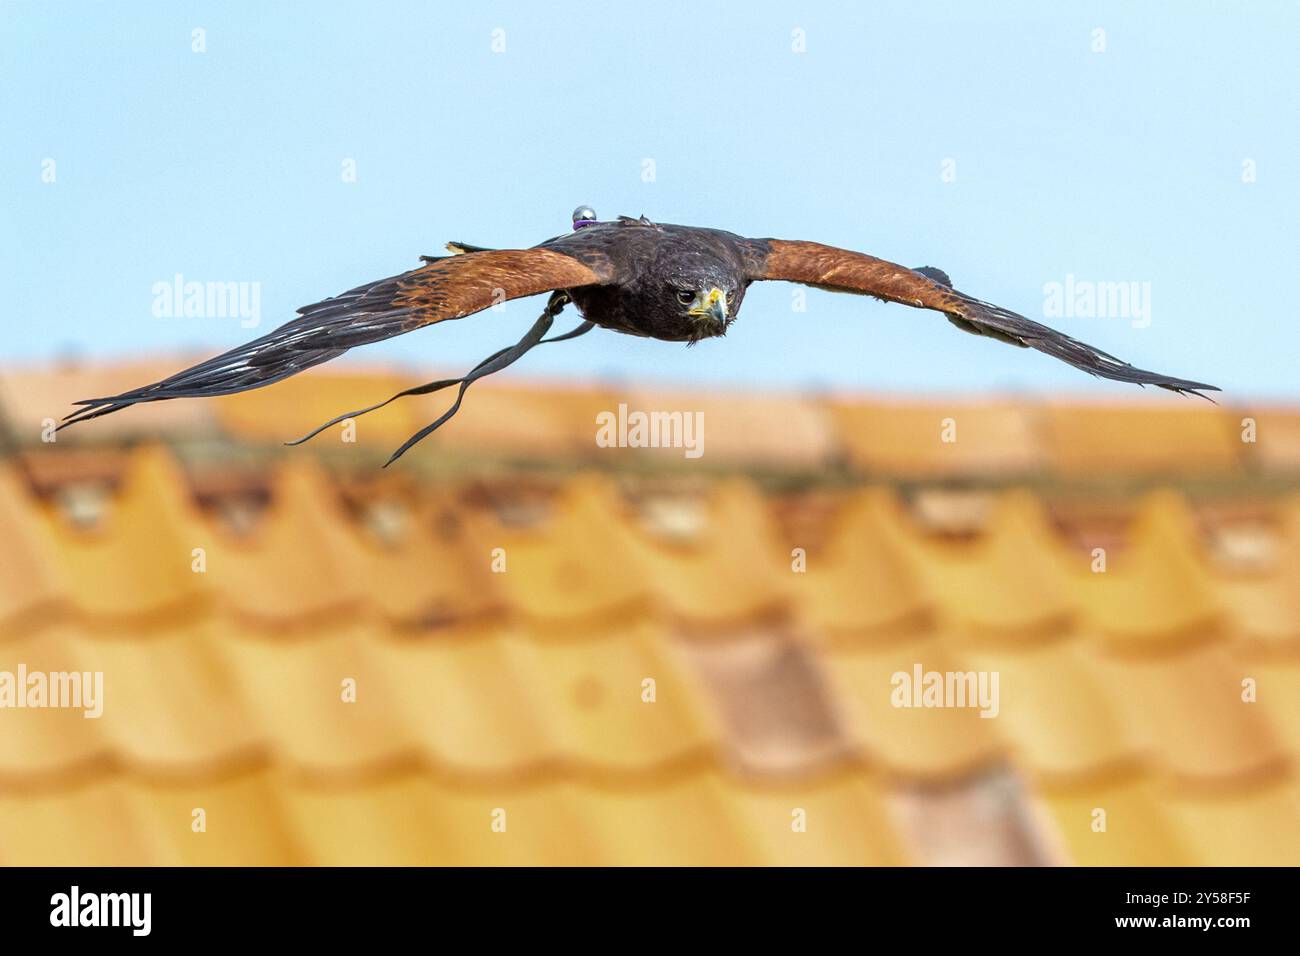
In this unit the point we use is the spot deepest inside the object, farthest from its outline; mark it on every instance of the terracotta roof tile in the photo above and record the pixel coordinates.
(1265, 604)
(30, 584)
(937, 438)
(1277, 684)
(1121, 822)
(48, 743)
(1158, 589)
(867, 580)
(1276, 448)
(746, 429)
(65, 826)
(493, 703)
(1057, 714)
(1258, 827)
(982, 820)
(580, 565)
(322, 701)
(1186, 707)
(172, 706)
(701, 819)
(913, 741)
(153, 825)
(291, 568)
(770, 693)
(521, 422)
(30, 398)
(137, 560)
(1012, 582)
(1173, 437)
(427, 571)
(843, 822)
(731, 571)
(301, 404)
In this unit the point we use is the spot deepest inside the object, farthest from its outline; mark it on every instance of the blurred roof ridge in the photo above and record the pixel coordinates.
(1158, 591)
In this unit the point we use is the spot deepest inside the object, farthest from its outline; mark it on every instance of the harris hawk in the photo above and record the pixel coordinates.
(674, 283)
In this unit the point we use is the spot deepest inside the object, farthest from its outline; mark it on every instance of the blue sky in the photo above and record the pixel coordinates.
(997, 144)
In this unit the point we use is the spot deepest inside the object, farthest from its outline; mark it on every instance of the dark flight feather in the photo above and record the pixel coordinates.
(446, 288)
(841, 270)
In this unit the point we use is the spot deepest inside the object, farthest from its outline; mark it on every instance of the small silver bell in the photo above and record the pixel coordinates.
(584, 214)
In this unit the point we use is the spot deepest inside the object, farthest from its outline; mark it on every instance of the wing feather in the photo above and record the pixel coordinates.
(841, 270)
(446, 288)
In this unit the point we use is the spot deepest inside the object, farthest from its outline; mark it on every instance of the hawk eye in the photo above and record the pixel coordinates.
(685, 296)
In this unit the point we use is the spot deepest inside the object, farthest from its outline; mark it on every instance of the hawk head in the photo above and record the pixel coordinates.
(706, 305)
(700, 295)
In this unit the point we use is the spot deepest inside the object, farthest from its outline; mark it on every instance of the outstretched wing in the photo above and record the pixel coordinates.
(840, 270)
(446, 288)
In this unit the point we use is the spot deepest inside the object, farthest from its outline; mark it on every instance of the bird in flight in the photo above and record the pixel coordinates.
(673, 283)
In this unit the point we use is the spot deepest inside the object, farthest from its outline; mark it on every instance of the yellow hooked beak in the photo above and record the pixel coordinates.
(710, 305)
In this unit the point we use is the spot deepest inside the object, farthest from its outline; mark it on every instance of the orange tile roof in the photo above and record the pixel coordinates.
(988, 587)
(302, 404)
(579, 568)
(1120, 823)
(727, 571)
(1170, 437)
(515, 419)
(1265, 602)
(937, 438)
(918, 743)
(291, 569)
(30, 584)
(1062, 719)
(867, 579)
(136, 562)
(646, 679)
(31, 397)
(1158, 588)
(1276, 445)
(747, 429)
